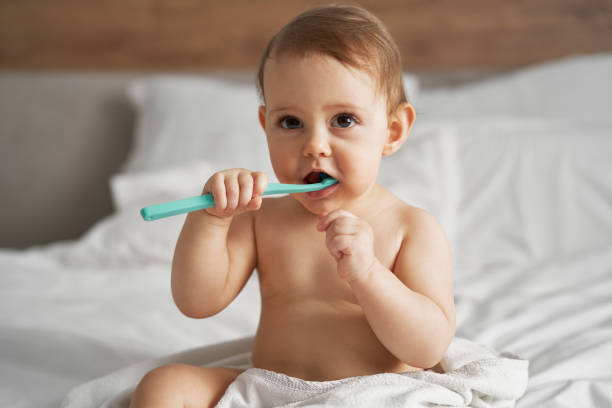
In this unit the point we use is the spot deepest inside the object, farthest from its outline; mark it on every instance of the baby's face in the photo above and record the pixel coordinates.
(321, 116)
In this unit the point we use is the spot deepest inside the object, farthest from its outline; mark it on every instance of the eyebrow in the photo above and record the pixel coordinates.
(348, 106)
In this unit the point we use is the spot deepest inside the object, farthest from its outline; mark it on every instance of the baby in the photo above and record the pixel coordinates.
(353, 280)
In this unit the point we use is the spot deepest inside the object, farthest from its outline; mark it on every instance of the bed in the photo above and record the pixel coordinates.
(513, 159)
(516, 167)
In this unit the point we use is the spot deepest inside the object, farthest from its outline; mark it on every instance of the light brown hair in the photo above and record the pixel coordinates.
(351, 35)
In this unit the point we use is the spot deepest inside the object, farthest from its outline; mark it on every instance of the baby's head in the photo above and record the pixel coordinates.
(351, 35)
(333, 102)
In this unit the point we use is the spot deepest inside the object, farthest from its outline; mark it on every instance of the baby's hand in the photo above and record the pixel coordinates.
(350, 241)
(235, 191)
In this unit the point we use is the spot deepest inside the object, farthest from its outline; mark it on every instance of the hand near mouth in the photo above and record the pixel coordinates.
(350, 240)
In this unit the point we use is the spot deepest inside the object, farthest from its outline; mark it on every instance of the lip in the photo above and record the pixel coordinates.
(323, 193)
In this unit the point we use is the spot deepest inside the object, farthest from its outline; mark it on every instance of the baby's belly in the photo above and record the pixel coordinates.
(319, 340)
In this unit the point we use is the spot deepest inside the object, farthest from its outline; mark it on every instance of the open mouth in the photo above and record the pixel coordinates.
(315, 177)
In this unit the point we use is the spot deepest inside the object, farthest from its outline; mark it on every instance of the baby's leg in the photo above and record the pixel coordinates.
(181, 385)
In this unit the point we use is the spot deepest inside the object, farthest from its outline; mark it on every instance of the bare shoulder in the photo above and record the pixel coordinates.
(424, 239)
(420, 226)
(414, 222)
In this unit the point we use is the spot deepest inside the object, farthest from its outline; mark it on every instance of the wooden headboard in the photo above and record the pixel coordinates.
(197, 35)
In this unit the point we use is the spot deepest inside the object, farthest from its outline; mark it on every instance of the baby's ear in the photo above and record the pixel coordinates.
(400, 123)
(262, 116)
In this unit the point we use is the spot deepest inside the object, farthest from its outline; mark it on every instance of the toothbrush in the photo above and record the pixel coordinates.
(157, 211)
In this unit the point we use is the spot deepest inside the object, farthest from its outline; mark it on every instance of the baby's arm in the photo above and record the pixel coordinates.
(215, 253)
(411, 310)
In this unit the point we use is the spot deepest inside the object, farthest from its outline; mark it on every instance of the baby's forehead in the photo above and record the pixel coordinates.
(287, 74)
(288, 61)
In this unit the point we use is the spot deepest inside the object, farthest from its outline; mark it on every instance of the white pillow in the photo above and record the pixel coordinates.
(184, 119)
(188, 118)
(576, 87)
(124, 238)
(157, 186)
(530, 190)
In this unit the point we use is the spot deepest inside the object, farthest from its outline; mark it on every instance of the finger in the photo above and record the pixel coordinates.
(329, 218)
(245, 183)
(232, 190)
(340, 245)
(218, 191)
(343, 225)
(255, 203)
(260, 182)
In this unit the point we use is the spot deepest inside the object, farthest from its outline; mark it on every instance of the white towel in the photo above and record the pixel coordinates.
(474, 377)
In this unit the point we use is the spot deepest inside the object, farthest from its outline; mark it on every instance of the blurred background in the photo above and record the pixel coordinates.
(66, 124)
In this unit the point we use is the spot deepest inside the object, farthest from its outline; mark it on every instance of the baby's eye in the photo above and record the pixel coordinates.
(344, 120)
(290, 122)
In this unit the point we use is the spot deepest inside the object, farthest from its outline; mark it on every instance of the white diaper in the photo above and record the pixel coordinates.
(475, 376)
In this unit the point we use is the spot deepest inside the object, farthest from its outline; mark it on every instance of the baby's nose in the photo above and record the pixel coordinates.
(317, 144)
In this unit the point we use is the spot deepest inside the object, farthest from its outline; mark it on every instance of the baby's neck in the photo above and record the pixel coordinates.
(369, 203)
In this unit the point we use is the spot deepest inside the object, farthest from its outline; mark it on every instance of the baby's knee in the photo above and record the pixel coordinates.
(164, 376)
(179, 385)
(161, 386)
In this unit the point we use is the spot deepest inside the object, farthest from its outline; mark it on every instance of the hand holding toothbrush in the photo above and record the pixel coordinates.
(238, 190)
(235, 191)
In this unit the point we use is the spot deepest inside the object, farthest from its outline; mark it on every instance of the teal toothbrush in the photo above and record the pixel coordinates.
(157, 211)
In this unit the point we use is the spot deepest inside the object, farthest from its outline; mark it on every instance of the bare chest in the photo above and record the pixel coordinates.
(293, 259)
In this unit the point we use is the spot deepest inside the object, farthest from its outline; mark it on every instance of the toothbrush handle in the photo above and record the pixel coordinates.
(157, 211)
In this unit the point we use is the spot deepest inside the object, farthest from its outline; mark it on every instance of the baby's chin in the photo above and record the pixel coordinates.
(320, 207)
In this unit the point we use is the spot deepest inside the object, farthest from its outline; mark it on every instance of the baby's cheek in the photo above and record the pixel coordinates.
(284, 167)
(363, 174)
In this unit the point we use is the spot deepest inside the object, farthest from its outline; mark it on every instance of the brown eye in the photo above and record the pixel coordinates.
(344, 120)
(290, 122)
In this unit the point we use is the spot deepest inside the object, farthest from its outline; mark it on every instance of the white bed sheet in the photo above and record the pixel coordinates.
(74, 311)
